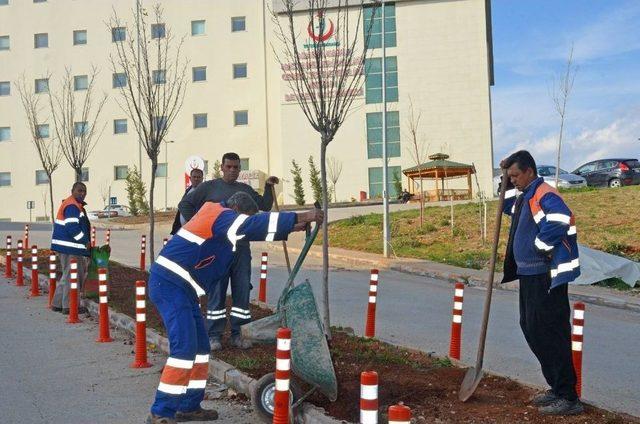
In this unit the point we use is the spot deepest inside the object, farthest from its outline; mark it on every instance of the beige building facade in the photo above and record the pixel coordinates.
(439, 61)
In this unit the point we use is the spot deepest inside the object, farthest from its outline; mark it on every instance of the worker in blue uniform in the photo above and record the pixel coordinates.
(196, 257)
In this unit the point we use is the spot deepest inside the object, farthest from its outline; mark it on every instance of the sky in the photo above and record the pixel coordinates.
(531, 41)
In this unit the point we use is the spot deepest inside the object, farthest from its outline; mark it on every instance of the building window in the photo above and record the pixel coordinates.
(84, 175)
(41, 41)
(5, 88)
(118, 34)
(158, 31)
(161, 170)
(199, 120)
(197, 27)
(4, 2)
(375, 36)
(373, 79)
(375, 181)
(160, 123)
(159, 76)
(120, 172)
(41, 177)
(5, 133)
(42, 85)
(80, 82)
(374, 135)
(39, 1)
(240, 117)
(244, 164)
(5, 179)
(119, 126)
(238, 24)
(239, 70)
(119, 80)
(80, 128)
(79, 37)
(43, 130)
(199, 73)
(5, 42)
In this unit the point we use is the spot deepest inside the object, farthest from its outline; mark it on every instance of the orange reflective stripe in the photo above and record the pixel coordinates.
(534, 202)
(202, 223)
(175, 376)
(68, 201)
(200, 371)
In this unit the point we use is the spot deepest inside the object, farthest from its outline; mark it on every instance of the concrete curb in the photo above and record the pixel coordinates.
(219, 370)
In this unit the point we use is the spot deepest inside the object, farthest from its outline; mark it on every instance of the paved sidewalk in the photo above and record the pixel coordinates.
(53, 372)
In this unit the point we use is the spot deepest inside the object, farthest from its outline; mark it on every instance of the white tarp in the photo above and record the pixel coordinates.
(597, 266)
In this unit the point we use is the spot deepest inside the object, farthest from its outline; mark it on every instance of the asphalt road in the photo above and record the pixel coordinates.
(415, 311)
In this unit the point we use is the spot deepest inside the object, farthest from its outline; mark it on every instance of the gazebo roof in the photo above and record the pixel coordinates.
(442, 166)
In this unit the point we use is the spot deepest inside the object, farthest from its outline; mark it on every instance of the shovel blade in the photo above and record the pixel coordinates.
(470, 383)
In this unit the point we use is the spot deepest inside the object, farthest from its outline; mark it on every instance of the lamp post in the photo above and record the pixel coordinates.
(386, 233)
(166, 170)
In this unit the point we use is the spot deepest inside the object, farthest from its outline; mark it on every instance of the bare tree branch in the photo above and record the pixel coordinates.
(418, 150)
(334, 170)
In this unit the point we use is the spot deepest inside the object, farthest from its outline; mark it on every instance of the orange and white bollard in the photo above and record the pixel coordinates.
(370, 327)
(369, 397)
(103, 312)
(165, 241)
(7, 270)
(93, 236)
(577, 337)
(73, 293)
(456, 323)
(107, 239)
(141, 327)
(262, 293)
(35, 286)
(399, 414)
(20, 266)
(283, 375)
(53, 278)
(143, 248)
(25, 240)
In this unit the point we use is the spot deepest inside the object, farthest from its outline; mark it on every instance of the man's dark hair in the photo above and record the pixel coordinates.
(524, 160)
(78, 184)
(230, 156)
(196, 169)
(243, 203)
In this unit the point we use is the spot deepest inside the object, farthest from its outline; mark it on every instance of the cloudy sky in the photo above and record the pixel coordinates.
(532, 40)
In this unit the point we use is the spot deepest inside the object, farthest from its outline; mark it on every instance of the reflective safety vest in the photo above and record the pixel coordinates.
(200, 253)
(71, 229)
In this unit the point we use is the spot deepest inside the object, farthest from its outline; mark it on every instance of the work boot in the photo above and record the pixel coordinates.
(82, 310)
(215, 344)
(65, 311)
(562, 406)
(544, 399)
(240, 343)
(156, 419)
(56, 309)
(197, 415)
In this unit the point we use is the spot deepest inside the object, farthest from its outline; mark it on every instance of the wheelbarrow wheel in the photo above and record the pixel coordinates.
(262, 396)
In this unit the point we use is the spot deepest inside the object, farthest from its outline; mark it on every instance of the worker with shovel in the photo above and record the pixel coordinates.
(542, 253)
(188, 266)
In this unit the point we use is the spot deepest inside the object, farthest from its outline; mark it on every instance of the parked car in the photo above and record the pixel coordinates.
(610, 172)
(548, 172)
(93, 215)
(113, 211)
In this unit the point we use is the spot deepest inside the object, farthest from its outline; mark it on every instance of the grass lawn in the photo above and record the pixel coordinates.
(607, 220)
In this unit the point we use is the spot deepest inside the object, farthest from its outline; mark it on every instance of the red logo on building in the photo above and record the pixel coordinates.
(320, 33)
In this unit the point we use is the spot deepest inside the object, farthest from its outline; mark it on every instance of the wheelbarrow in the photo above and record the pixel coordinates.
(310, 356)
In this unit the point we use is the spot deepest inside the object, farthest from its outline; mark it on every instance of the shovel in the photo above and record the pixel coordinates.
(474, 375)
(284, 243)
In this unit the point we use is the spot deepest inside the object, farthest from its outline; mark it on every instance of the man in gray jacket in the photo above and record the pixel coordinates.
(220, 190)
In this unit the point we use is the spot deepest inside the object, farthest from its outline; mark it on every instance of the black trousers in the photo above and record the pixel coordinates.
(544, 319)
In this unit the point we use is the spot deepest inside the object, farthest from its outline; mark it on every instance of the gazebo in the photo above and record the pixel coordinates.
(439, 169)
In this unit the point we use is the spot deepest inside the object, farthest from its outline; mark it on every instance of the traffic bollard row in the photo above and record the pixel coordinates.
(456, 323)
(262, 293)
(35, 287)
(53, 277)
(103, 312)
(282, 376)
(141, 327)
(7, 271)
(577, 337)
(73, 293)
(370, 327)
(20, 266)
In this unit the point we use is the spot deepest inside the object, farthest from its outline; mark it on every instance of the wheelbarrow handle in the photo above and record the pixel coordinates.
(310, 238)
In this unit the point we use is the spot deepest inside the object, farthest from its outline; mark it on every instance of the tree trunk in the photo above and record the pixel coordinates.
(325, 238)
(53, 218)
(151, 244)
(78, 172)
(557, 176)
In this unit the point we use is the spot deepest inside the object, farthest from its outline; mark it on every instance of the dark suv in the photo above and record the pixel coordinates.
(610, 172)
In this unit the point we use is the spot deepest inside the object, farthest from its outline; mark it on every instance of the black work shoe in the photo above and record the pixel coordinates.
(82, 310)
(562, 406)
(197, 415)
(215, 344)
(544, 399)
(65, 311)
(56, 309)
(156, 419)
(240, 343)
